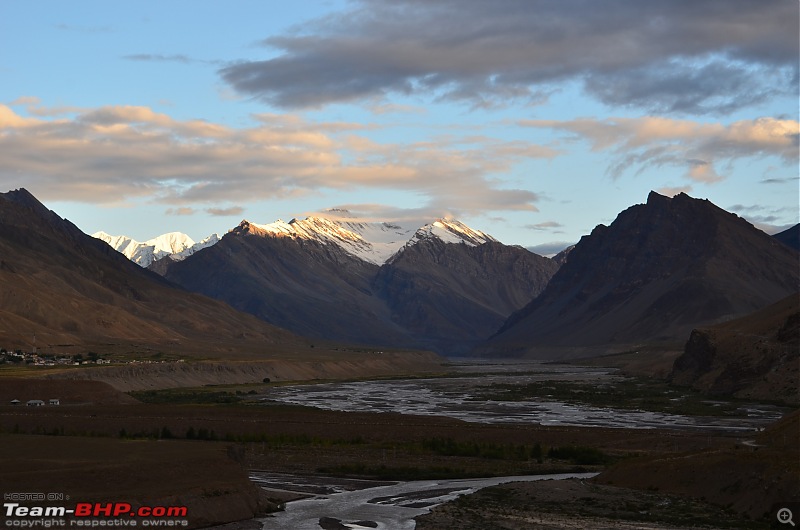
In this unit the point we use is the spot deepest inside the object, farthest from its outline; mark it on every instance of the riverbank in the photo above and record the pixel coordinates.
(325, 366)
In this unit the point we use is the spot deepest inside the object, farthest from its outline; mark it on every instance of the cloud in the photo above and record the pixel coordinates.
(550, 249)
(696, 147)
(109, 155)
(718, 87)
(89, 30)
(159, 58)
(769, 219)
(710, 57)
(547, 225)
(778, 180)
(225, 212)
(33, 106)
(671, 191)
(168, 58)
(185, 210)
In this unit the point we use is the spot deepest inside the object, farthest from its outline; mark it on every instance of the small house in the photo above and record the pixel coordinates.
(55, 401)
(15, 402)
(35, 403)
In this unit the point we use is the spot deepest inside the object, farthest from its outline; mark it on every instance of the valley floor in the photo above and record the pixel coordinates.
(194, 447)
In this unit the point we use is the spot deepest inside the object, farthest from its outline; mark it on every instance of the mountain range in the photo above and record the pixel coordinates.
(174, 245)
(442, 286)
(658, 271)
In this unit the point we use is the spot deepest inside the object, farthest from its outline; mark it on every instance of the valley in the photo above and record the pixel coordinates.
(263, 430)
(400, 264)
(661, 370)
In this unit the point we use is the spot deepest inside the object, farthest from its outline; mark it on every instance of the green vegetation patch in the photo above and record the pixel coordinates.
(629, 394)
(492, 451)
(185, 396)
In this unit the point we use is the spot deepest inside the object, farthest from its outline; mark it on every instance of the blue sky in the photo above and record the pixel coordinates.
(530, 120)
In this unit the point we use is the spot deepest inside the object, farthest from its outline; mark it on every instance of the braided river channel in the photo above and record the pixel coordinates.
(346, 503)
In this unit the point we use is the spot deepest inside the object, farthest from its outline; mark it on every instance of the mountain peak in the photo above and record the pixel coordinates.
(175, 244)
(658, 270)
(375, 242)
(25, 198)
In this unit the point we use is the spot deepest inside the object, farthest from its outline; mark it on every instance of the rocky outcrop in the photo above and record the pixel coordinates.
(757, 356)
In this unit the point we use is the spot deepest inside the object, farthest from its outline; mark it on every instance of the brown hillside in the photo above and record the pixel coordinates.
(658, 271)
(74, 293)
(757, 356)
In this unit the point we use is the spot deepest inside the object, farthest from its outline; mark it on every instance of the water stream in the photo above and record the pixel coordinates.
(458, 397)
(361, 504)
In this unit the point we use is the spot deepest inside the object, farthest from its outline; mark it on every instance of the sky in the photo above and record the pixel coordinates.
(531, 120)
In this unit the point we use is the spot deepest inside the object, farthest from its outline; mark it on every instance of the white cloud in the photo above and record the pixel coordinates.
(116, 153)
(696, 147)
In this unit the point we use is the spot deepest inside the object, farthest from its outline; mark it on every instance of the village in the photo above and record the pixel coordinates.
(39, 359)
(18, 357)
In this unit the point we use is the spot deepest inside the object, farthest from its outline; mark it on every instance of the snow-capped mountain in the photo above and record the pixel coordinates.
(174, 244)
(375, 242)
(437, 285)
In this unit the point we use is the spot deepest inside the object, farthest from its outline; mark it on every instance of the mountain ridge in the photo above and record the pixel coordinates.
(172, 245)
(660, 269)
(74, 292)
(325, 279)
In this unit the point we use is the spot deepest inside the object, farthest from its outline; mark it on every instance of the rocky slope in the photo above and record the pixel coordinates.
(757, 356)
(659, 270)
(74, 293)
(451, 296)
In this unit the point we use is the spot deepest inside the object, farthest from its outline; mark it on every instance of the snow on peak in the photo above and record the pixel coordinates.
(374, 242)
(175, 244)
(452, 231)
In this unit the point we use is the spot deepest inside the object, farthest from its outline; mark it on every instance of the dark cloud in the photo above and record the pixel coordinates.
(720, 87)
(778, 180)
(680, 56)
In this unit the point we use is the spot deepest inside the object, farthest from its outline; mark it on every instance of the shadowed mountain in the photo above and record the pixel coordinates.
(74, 292)
(790, 237)
(659, 270)
(310, 287)
(444, 287)
(453, 296)
(757, 356)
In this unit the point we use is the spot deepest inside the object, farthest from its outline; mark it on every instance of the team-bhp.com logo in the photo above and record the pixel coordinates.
(93, 515)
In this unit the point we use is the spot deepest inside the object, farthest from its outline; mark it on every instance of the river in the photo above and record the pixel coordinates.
(361, 504)
(460, 397)
(345, 503)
